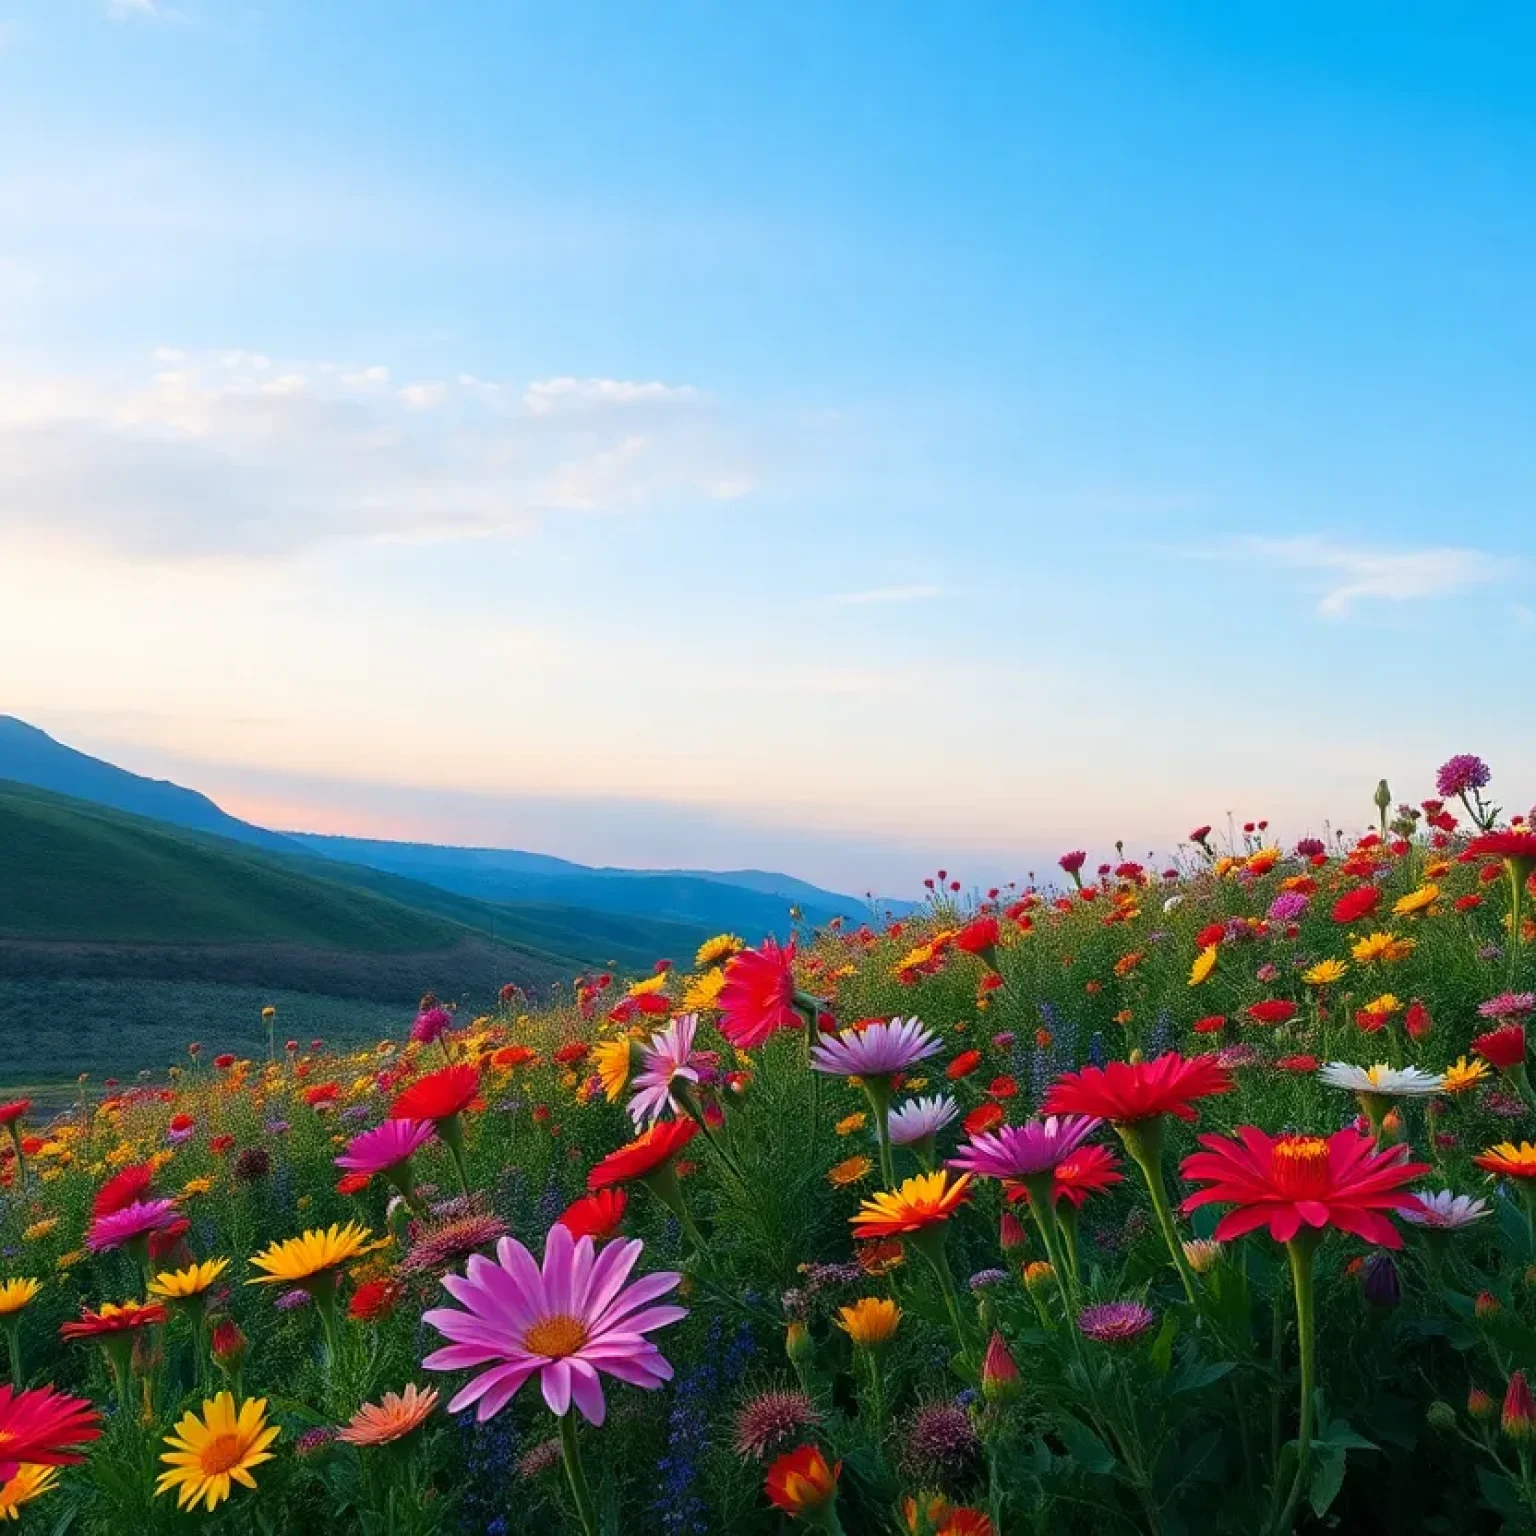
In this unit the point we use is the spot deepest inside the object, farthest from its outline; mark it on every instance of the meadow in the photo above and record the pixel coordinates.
(1192, 1195)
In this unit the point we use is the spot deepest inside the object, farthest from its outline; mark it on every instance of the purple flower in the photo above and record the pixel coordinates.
(1115, 1322)
(877, 1050)
(291, 1301)
(1382, 1286)
(921, 1118)
(1287, 907)
(669, 1058)
(1462, 773)
(136, 1220)
(1021, 1151)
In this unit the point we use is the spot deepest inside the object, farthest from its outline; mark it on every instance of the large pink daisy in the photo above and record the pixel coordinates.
(385, 1146)
(569, 1321)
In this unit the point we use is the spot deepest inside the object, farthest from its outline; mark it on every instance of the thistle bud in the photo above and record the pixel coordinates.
(1383, 799)
(1440, 1415)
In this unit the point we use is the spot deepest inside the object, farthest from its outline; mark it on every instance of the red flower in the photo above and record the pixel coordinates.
(1125, 1091)
(1468, 903)
(1417, 1021)
(1273, 1010)
(11, 1113)
(224, 1062)
(123, 1188)
(758, 996)
(1505, 845)
(352, 1183)
(43, 1427)
(321, 1093)
(111, 1319)
(571, 1052)
(801, 1482)
(372, 1300)
(597, 1216)
(979, 938)
(1074, 861)
(985, 1117)
(1211, 1024)
(1287, 1182)
(438, 1096)
(1503, 1048)
(963, 1065)
(646, 1154)
(1212, 933)
(1089, 1171)
(1355, 904)
(1003, 1088)
(220, 1143)
(1297, 1063)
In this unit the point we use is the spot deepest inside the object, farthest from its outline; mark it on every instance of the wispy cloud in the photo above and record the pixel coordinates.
(1354, 574)
(911, 594)
(239, 453)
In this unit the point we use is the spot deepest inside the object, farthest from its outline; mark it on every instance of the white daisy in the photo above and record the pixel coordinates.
(1444, 1211)
(1383, 1081)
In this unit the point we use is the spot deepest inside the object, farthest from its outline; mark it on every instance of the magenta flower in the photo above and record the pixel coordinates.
(1509, 1007)
(877, 1050)
(1115, 1322)
(1287, 907)
(386, 1146)
(569, 1321)
(1463, 772)
(1022, 1151)
(136, 1220)
(669, 1058)
(431, 1024)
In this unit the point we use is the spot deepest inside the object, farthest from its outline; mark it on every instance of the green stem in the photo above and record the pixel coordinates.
(1144, 1141)
(13, 1334)
(878, 1092)
(1300, 1250)
(580, 1492)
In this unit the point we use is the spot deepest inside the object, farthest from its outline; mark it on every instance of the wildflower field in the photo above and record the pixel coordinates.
(1189, 1197)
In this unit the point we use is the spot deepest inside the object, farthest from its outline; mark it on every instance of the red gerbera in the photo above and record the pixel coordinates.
(1300, 1064)
(1505, 845)
(979, 938)
(570, 1053)
(1088, 1171)
(1211, 1024)
(439, 1095)
(374, 1299)
(43, 1427)
(963, 1065)
(352, 1183)
(12, 1112)
(123, 1188)
(1355, 904)
(647, 1153)
(598, 1216)
(1273, 1010)
(1212, 933)
(1503, 1048)
(1125, 1091)
(1287, 1182)
(985, 1117)
(758, 996)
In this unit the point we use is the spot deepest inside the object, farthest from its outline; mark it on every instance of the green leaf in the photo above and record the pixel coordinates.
(1501, 1492)
(1161, 1354)
(1327, 1479)
(1196, 1374)
(1340, 1437)
(1085, 1447)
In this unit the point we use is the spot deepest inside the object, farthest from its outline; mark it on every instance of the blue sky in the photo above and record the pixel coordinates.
(839, 438)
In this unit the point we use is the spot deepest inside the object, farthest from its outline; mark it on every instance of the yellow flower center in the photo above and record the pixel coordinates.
(1299, 1165)
(220, 1454)
(555, 1337)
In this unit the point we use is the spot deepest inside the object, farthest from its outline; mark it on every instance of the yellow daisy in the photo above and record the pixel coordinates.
(197, 1186)
(207, 1454)
(1382, 949)
(30, 1482)
(851, 1123)
(1325, 973)
(718, 950)
(1205, 963)
(703, 992)
(317, 1252)
(40, 1228)
(15, 1294)
(611, 1059)
(180, 1284)
(1415, 901)
(1463, 1075)
(657, 983)
(850, 1171)
(870, 1322)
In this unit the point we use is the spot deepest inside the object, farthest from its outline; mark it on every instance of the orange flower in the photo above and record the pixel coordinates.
(923, 1201)
(801, 1482)
(646, 1154)
(393, 1419)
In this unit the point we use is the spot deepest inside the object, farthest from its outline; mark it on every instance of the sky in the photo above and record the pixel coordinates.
(843, 439)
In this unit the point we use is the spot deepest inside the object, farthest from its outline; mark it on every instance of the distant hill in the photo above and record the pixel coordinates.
(751, 902)
(574, 908)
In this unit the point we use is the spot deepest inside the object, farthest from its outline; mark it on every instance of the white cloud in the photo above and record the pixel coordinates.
(911, 594)
(545, 396)
(235, 453)
(423, 396)
(1353, 574)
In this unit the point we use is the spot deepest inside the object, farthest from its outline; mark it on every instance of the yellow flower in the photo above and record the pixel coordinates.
(29, 1482)
(1385, 1005)
(916, 958)
(207, 1454)
(870, 1322)
(1415, 901)
(850, 1171)
(1325, 973)
(915, 1084)
(179, 1284)
(197, 1186)
(1463, 1075)
(1439, 868)
(1205, 963)
(15, 1294)
(651, 984)
(851, 1123)
(703, 992)
(611, 1058)
(70, 1259)
(718, 950)
(317, 1252)
(40, 1228)
(158, 1160)
(1382, 949)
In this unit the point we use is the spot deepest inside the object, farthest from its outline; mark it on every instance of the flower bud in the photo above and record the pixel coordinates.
(1039, 1275)
(227, 1343)
(1518, 1420)
(1440, 1415)
(1011, 1237)
(1000, 1380)
(1202, 1254)
(1382, 1286)
(798, 1344)
(1480, 1405)
(1487, 1305)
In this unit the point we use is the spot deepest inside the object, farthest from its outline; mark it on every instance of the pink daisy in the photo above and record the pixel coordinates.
(136, 1220)
(385, 1146)
(668, 1058)
(569, 1321)
(1022, 1151)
